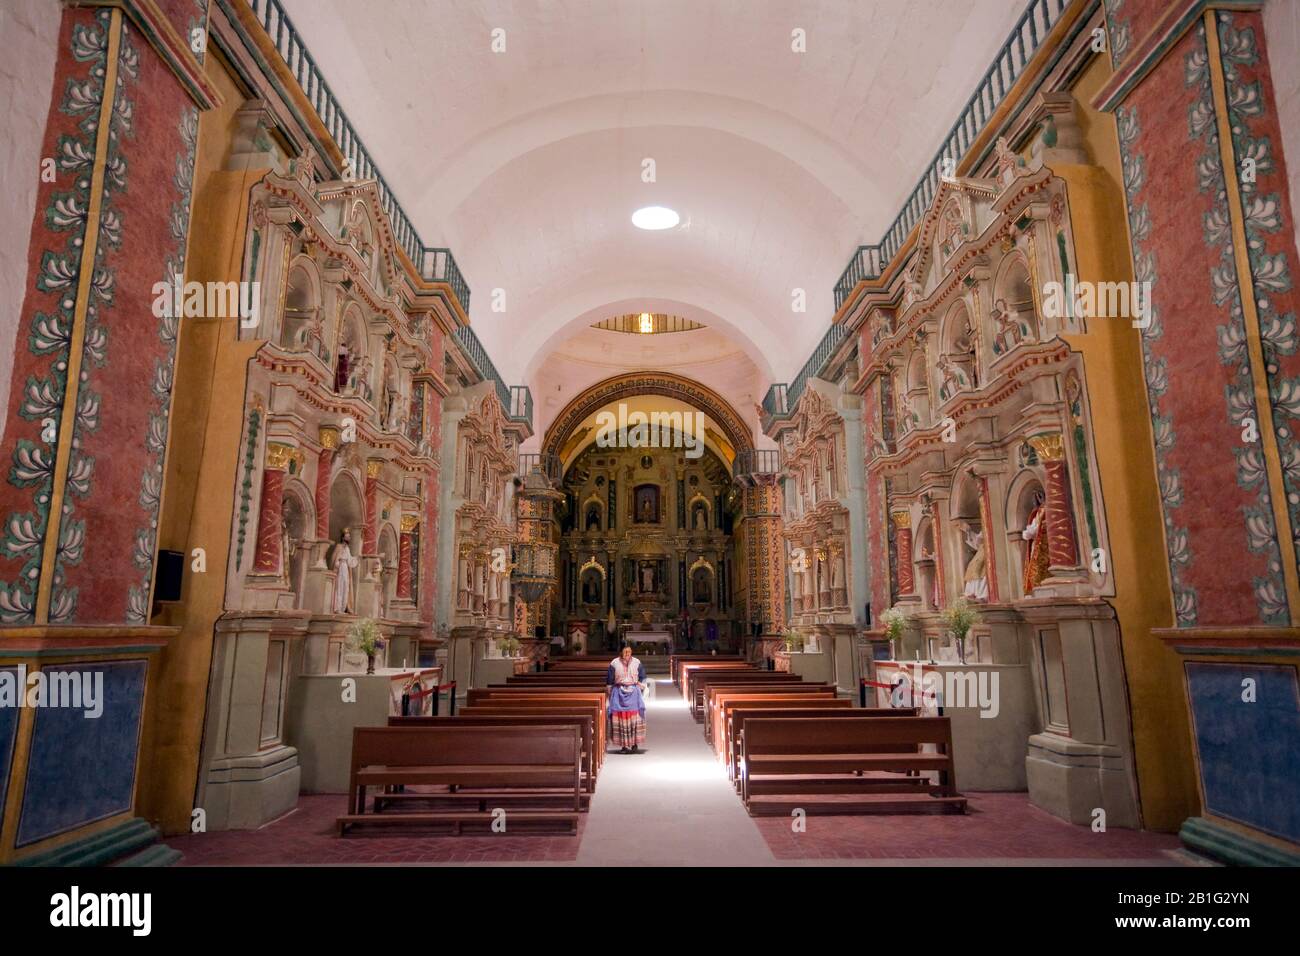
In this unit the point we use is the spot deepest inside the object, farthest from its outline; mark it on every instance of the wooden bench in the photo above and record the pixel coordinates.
(740, 711)
(511, 759)
(847, 765)
(591, 715)
(721, 694)
(701, 681)
(675, 660)
(687, 668)
(509, 717)
(594, 704)
(714, 692)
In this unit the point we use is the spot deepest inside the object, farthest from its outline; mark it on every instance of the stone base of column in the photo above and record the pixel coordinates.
(244, 792)
(1071, 780)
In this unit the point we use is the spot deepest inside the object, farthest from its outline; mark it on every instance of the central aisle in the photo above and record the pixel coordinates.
(671, 805)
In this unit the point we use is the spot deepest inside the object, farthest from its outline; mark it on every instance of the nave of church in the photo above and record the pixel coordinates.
(451, 432)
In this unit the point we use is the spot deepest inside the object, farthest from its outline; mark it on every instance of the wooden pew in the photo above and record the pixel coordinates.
(686, 668)
(792, 763)
(508, 717)
(717, 694)
(700, 681)
(738, 712)
(591, 714)
(596, 704)
(674, 660)
(511, 760)
(714, 692)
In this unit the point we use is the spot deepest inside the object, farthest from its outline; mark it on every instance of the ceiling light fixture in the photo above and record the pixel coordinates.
(655, 217)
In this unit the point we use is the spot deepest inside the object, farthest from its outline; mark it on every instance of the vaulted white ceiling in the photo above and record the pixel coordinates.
(528, 162)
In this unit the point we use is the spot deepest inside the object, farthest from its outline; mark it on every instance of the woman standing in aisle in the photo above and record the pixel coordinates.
(626, 682)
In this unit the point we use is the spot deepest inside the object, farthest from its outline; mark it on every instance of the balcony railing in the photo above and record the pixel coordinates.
(781, 399)
(547, 462)
(869, 262)
(434, 264)
(517, 400)
(758, 461)
(520, 408)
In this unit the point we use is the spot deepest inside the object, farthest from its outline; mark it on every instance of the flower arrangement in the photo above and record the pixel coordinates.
(793, 642)
(508, 646)
(958, 617)
(365, 636)
(895, 622)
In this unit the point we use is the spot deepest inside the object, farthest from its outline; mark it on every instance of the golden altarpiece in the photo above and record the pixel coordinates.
(646, 551)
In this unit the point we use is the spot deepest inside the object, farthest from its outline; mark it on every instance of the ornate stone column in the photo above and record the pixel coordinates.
(903, 551)
(270, 513)
(1062, 551)
(329, 440)
(405, 548)
(371, 541)
(990, 549)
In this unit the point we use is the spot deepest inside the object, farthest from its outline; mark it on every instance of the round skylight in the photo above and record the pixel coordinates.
(655, 217)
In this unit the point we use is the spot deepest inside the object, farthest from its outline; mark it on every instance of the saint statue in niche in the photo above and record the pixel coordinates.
(591, 588)
(975, 584)
(647, 577)
(702, 591)
(647, 504)
(700, 519)
(1035, 538)
(343, 563)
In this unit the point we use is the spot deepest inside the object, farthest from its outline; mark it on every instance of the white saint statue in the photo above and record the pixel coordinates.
(976, 583)
(343, 564)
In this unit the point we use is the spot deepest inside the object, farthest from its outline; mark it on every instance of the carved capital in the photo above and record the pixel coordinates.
(278, 456)
(1050, 447)
(329, 436)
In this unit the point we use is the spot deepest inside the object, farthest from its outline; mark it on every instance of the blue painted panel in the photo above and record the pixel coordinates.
(8, 737)
(1249, 752)
(83, 769)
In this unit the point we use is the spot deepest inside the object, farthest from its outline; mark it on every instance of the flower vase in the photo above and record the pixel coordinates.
(961, 648)
(370, 663)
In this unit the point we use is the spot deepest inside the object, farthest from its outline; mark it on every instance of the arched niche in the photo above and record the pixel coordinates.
(647, 504)
(1025, 496)
(591, 586)
(347, 513)
(1014, 318)
(924, 560)
(593, 515)
(392, 407)
(699, 513)
(387, 548)
(298, 523)
(300, 324)
(353, 367)
(914, 410)
(957, 365)
(702, 584)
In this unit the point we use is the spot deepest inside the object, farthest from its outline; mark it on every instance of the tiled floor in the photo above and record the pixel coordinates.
(673, 805)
